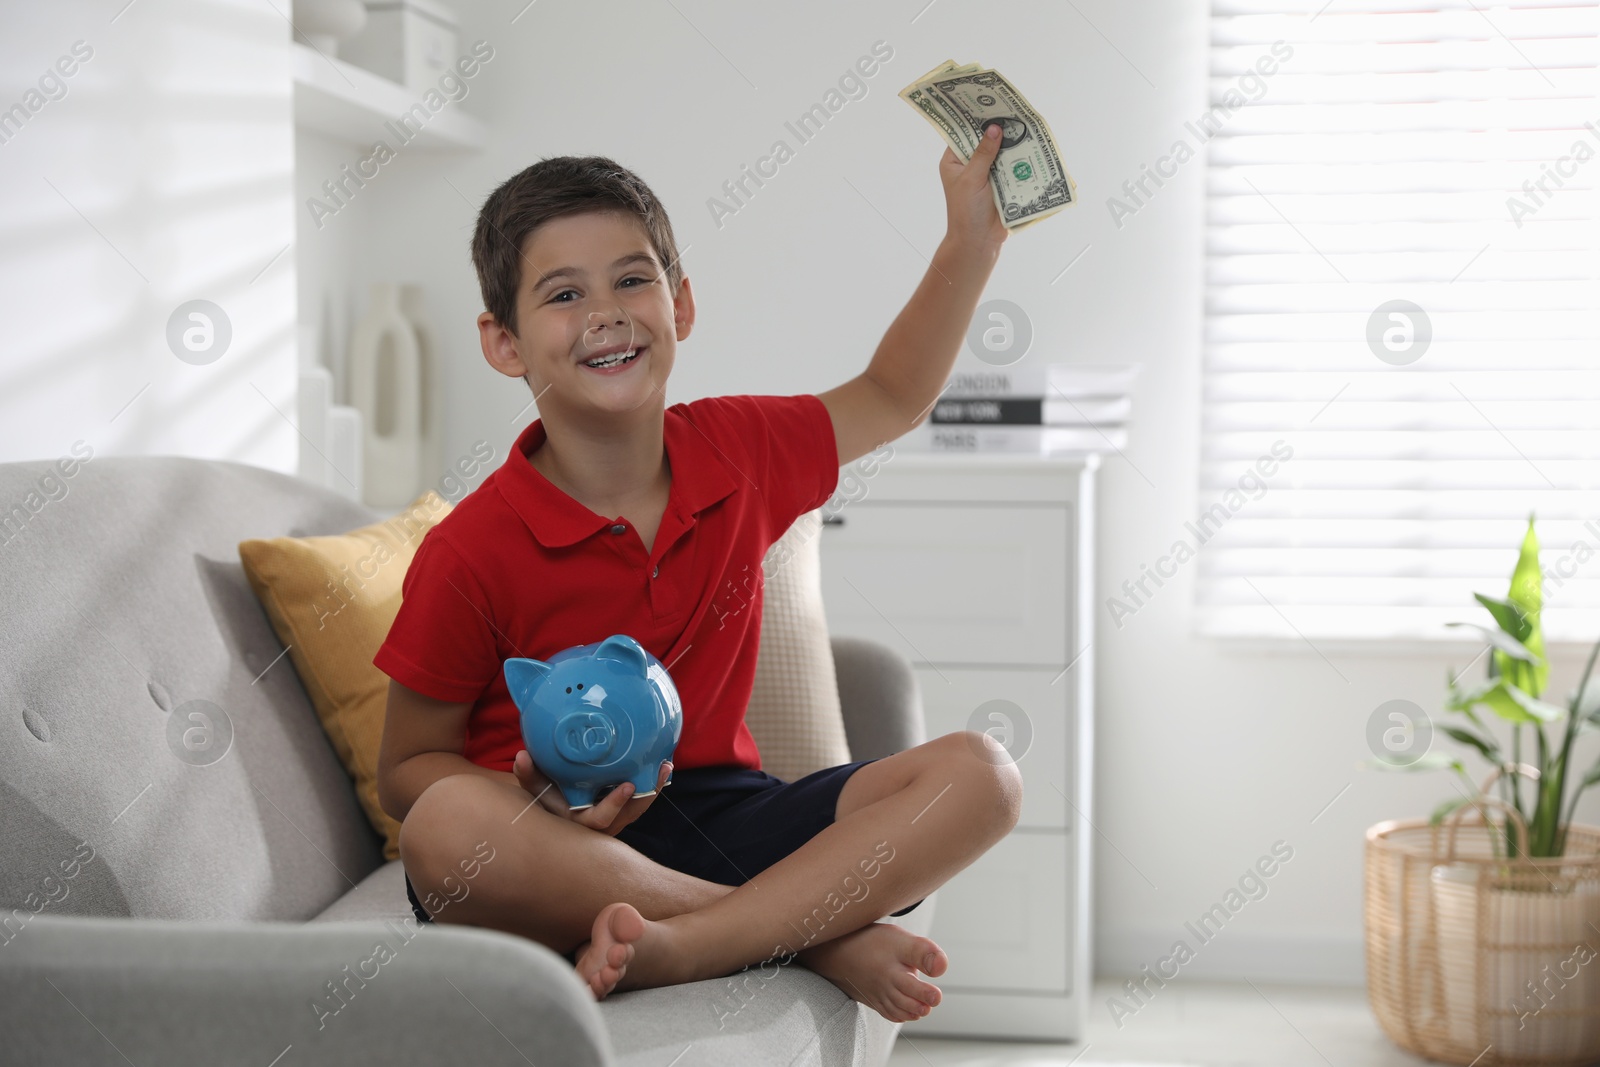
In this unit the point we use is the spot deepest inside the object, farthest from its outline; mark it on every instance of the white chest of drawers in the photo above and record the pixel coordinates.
(979, 570)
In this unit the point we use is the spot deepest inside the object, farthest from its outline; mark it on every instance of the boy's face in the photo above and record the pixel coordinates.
(592, 287)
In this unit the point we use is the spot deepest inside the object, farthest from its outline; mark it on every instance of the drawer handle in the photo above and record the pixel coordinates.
(833, 520)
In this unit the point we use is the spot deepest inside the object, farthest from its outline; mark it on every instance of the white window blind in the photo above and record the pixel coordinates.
(1385, 160)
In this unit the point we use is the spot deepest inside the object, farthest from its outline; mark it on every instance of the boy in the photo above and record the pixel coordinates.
(618, 514)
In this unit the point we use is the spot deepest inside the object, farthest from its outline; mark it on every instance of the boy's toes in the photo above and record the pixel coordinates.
(605, 958)
(909, 985)
(927, 957)
(905, 1008)
(608, 976)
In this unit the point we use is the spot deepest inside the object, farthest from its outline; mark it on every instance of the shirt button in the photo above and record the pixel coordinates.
(656, 571)
(619, 528)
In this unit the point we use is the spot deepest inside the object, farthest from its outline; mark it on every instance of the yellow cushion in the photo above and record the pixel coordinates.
(331, 601)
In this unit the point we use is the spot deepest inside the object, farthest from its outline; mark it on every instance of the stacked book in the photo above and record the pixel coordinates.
(1039, 409)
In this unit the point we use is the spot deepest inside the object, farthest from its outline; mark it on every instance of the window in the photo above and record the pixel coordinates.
(1401, 292)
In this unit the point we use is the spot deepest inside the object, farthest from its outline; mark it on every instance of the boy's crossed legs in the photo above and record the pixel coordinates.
(636, 923)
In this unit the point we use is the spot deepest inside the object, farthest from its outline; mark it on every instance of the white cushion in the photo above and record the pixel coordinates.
(794, 710)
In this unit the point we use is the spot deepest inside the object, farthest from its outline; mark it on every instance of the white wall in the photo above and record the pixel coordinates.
(1207, 753)
(160, 173)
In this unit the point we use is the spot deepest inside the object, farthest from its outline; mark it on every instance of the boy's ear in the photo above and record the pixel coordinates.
(500, 347)
(683, 309)
(523, 676)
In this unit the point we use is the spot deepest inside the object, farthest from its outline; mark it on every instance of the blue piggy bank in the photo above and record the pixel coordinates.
(597, 715)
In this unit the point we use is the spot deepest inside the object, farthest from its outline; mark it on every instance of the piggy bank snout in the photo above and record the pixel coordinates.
(585, 736)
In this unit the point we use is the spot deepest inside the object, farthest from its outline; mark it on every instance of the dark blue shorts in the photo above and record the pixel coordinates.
(728, 824)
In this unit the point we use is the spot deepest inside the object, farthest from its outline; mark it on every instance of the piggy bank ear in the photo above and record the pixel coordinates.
(625, 650)
(523, 676)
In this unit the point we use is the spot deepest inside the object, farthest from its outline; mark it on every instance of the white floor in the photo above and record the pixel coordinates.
(1195, 1024)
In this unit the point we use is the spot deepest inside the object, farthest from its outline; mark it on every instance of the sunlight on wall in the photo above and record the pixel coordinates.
(157, 172)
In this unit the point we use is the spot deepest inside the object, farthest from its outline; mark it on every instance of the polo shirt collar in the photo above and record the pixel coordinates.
(700, 478)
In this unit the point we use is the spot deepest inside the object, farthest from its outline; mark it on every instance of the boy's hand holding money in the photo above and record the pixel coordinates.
(971, 218)
(963, 101)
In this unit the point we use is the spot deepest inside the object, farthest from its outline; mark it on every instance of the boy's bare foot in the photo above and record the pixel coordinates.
(877, 966)
(627, 951)
(604, 958)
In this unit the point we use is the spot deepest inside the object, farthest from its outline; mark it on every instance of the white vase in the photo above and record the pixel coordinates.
(1540, 976)
(324, 23)
(386, 388)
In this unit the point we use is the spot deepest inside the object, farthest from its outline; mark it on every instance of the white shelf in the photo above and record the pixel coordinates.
(344, 101)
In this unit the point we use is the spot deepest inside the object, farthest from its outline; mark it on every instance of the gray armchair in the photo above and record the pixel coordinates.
(154, 910)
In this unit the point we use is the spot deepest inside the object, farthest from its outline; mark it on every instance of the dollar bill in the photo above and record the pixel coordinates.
(1029, 180)
(938, 113)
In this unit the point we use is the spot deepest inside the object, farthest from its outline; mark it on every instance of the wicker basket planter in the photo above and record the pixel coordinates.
(1478, 960)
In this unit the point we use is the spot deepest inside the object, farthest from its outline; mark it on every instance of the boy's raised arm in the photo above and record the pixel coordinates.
(913, 361)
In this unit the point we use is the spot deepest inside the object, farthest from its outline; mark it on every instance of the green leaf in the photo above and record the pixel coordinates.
(1539, 709)
(1513, 705)
(1508, 614)
(1489, 749)
(1526, 578)
(1466, 699)
(1587, 712)
(1443, 810)
(1504, 642)
(1527, 592)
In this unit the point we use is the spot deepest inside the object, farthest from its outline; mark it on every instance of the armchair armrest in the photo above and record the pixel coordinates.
(879, 697)
(110, 990)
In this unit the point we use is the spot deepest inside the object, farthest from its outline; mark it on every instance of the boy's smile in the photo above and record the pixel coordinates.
(597, 330)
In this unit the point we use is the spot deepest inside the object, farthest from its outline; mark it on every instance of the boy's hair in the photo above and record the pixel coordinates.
(551, 188)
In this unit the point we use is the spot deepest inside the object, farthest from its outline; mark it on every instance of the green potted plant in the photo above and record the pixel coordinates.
(1512, 691)
(1506, 950)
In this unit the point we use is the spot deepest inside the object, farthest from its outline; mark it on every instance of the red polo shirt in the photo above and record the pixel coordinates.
(519, 568)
